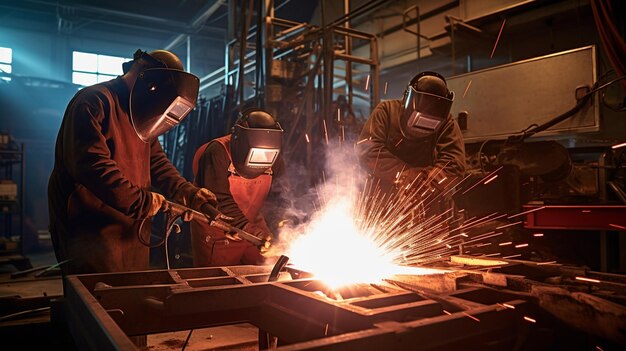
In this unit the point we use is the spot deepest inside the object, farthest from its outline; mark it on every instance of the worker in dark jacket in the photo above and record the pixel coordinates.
(108, 158)
(238, 168)
(414, 140)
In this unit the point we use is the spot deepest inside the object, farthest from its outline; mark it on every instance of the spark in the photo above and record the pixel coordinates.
(547, 262)
(599, 348)
(512, 256)
(306, 136)
(585, 211)
(526, 212)
(508, 306)
(446, 312)
(505, 243)
(325, 131)
(490, 179)
(520, 246)
(617, 146)
(467, 88)
(367, 82)
(385, 91)
(509, 225)
(617, 226)
(538, 235)
(497, 39)
(590, 280)
(470, 316)
(530, 319)
(326, 330)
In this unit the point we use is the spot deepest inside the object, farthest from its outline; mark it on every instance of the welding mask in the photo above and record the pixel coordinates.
(255, 143)
(427, 103)
(162, 96)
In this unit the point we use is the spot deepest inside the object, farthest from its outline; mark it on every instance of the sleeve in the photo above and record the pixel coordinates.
(88, 158)
(166, 178)
(450, 150)
(374, 154)
(213, 174)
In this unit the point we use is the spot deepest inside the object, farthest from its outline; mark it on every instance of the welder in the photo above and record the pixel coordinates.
(238, 168)
(414, 140)
(108, 158)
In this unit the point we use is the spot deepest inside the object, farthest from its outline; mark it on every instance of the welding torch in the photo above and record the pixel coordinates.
(211, 216)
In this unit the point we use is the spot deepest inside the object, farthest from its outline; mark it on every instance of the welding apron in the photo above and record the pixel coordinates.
(210, 246)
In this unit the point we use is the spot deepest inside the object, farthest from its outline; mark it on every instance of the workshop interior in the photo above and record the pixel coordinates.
(525, 250)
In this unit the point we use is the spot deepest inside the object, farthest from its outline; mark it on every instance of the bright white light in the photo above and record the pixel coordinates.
(336, 252)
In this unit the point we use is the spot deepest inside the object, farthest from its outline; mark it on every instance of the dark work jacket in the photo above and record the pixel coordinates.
(99, 189)
(385, 153)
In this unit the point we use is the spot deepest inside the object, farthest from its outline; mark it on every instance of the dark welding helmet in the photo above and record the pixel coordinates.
(427, 102)
(255, 143)
(162, 95)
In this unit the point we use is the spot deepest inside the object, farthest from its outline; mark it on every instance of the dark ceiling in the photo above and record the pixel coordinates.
(157, 19)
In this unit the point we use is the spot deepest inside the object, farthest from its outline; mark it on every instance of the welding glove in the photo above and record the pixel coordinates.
(201, 197)
(158, 204)
(204, 201)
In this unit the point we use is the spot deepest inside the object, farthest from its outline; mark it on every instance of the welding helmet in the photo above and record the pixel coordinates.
(255, 143)
(162, 95)
(427, 102)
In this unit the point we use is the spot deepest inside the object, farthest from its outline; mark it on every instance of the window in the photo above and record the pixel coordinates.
(6, 58)
(89, 69)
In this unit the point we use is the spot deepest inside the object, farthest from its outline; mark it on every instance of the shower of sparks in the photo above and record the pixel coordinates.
(361, 234)
(467, 88)
(497, 39)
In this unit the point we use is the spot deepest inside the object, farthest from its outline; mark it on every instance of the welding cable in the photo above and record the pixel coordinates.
(187, 340)
(582, 101)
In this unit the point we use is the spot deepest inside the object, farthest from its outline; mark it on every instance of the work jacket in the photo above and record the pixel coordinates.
(238, 197)
(386, 154)
(99, 190)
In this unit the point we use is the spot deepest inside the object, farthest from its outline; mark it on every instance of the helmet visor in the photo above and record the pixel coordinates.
(424, 113)
(160, 99)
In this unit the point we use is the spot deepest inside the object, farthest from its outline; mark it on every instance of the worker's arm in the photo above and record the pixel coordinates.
(450, 150)
(166, 178)
(88, 158)
(374, 154)
(213, 174)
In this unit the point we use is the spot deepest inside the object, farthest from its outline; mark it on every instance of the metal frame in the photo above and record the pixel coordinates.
(103, 310)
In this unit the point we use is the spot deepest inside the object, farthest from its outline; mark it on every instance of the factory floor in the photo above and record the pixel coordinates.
(32, 295)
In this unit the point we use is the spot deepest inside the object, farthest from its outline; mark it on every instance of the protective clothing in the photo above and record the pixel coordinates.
(100, 188)
(385, 153)
(163, 94)
(427, 104)
(256, 142)
(158, 204)
(238, 197)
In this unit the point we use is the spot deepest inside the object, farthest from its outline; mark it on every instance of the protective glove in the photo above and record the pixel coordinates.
(158, 204)
(201, 197)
